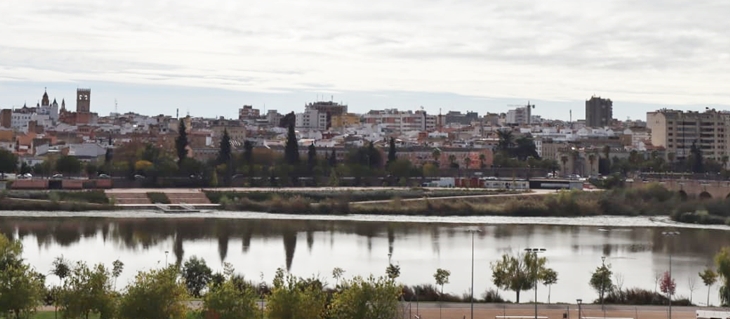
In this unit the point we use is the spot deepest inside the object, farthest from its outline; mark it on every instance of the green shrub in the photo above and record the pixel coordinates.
(158, 198)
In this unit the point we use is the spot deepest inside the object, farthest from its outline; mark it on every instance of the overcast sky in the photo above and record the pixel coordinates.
(210, 57)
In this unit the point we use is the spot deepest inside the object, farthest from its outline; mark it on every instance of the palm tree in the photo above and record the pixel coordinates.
(452, 160)
(482, 159)
(576, 156)
(564, 160)
(436, 154)
(467, 161)
(607, 152)
(506, 140)
(591, 159)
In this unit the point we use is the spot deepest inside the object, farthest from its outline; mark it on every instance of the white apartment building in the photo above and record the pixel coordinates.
(677, 130)
(397, 121)
(19, 120)
(311, 119)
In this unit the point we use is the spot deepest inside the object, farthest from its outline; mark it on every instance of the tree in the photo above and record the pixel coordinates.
(21, 288)
(154, 294)
(391, 151)
(467, 161)
(393, 271)
(181, 142)
(69, 165)
(549, 278)
(24, 168)
(87, 291)
(722, 262)
(482, 159)
(296, 298)
(601, 280)
(709, 278)
(506, 140)
(333, 159)
(231, 300)
(374, 158)
(430, 170)
(91, 169)
(117, 268)
(311, 156)
(61, 269)
(667, 285)
(442, 277)
(692, 285)
(366, 298)
(525, 148)
(224, 151)
(197, 275)
(591, 160)
(436, 154)
(337, 275)
(696, 157)
(517, 272)
(291, 149)
(8, 162)
(564, 160)
(452, 161)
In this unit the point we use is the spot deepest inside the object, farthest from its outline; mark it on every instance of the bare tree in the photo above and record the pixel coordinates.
(618, 280)
(657, 278)
(692, 284)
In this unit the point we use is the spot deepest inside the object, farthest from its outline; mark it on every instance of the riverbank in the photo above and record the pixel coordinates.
(650, 200)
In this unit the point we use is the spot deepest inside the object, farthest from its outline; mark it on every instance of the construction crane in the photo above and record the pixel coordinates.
(528, 107)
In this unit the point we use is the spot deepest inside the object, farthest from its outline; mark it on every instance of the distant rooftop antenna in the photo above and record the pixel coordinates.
(116, 106)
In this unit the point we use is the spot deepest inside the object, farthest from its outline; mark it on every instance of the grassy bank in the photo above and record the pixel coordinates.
(47, 205)
(649, 200)
(55, 201)
(351, 196)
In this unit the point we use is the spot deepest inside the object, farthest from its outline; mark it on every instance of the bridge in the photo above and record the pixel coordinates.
(690, 188)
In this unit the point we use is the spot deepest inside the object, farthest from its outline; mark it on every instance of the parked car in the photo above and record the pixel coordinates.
(139, 177)
(104, 176)
(57, 176)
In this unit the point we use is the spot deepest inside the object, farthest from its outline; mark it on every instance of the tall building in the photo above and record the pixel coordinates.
(599, 112)
(326, 109)
(83, 100)
(677, 130)
(248, 112)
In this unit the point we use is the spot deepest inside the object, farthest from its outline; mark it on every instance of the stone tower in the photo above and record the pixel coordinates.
(83, 100)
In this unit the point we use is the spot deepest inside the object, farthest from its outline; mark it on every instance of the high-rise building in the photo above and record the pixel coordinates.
(677, 130)
(599, 112)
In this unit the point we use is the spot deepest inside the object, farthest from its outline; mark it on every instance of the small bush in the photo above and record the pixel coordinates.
(158, 198)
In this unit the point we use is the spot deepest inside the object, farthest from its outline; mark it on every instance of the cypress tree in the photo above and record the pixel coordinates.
(391, 151)
(312, 156)
(224, 153)
(333, 159)
(291, 150)
(181, 142)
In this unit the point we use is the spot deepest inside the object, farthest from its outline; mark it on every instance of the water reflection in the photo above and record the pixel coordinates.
(420, 248)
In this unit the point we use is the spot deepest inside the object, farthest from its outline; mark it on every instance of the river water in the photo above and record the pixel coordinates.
(257, 244)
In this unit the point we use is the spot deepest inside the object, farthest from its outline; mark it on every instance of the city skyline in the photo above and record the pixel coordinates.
(460, 55)
(194, 101)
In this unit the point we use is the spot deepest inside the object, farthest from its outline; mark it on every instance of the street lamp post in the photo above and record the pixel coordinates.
(472, 231)
(534, 252)
(670, 234)
(580, 302)
(603, 283)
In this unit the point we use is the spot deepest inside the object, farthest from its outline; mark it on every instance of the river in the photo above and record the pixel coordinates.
(257, 244)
